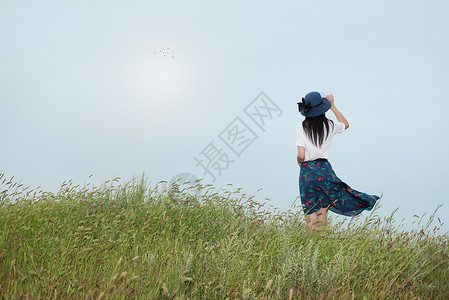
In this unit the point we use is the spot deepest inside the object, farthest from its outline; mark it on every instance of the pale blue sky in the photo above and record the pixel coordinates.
(82, 91)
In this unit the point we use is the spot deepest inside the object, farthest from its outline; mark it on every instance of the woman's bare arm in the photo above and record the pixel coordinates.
(301, 155)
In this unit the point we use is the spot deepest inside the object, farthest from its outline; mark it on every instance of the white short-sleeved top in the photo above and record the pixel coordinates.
(312, 151)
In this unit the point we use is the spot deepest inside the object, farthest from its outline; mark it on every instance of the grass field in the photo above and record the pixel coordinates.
(130, 240)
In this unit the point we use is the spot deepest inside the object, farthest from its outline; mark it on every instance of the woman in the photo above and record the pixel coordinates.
(320, 189)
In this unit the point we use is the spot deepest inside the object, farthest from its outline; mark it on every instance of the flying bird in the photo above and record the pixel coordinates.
(164, 51)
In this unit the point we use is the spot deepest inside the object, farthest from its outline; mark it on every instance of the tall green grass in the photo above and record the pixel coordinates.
(130, 240)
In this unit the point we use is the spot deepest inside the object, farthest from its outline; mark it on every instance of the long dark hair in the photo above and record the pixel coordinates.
(314, 128)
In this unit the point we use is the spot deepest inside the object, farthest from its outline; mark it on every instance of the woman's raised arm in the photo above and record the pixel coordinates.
(337, 113)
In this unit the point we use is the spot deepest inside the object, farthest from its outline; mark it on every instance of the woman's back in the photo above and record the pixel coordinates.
(313, 148)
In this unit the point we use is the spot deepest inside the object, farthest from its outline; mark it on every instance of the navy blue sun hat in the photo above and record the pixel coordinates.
(313, 105)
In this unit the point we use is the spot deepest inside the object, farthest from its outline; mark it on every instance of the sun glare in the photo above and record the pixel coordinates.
(158, 83)
(163, 79)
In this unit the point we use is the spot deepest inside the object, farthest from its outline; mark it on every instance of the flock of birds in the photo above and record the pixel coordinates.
(166, 52)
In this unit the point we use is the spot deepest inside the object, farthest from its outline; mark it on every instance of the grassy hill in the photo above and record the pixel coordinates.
(128, 240)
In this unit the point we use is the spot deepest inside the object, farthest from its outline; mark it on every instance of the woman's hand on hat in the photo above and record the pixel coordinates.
(330, 98)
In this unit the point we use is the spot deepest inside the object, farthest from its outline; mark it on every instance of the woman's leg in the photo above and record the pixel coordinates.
(311, 221)
(322, 216)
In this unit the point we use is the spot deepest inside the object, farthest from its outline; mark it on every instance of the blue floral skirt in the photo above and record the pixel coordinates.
(319, 187)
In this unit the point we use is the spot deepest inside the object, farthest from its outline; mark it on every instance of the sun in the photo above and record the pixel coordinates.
(157, 82)
(162, 78)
